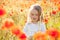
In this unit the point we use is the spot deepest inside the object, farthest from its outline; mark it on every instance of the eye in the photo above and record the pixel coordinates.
(32, 14)
(36, 14)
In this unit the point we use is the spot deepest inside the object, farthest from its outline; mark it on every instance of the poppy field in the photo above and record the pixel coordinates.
(13, 16)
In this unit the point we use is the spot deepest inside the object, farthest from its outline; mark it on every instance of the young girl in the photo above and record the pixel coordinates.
(34, 23)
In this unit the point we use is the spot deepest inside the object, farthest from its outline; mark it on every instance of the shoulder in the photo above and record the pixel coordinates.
(43, 27)
(26, 27)
(27, 24)
(42, 23)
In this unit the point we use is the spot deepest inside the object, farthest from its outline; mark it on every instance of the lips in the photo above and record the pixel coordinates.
(34, 18)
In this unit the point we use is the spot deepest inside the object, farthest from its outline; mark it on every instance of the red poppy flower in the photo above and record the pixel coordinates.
(54, 1)
(22, 36)
(53, 33)
(45, 20)
(44, 1)
(10, 14)
(3, 27)
(53, 12)
(21, 10)
(40, 36)
(2, 12)
(8, 23)
(58, 8)
(16, 32)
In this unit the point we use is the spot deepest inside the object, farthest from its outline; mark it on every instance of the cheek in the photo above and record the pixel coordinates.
(37, 17)
(30, 16)
(34, 16)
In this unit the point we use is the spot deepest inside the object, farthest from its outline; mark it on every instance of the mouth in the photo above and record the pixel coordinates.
(34, 18)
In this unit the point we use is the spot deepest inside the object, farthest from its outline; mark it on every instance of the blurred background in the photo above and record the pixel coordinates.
(13, 16)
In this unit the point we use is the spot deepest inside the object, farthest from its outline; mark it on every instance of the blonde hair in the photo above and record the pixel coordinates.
(36, 7)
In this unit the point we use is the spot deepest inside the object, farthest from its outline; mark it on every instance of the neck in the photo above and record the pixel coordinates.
(34, 22)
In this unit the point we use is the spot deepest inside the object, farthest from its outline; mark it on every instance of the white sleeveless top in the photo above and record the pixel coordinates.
(31, 28)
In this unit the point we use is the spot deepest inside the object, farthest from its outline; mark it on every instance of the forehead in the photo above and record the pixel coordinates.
(33, 11)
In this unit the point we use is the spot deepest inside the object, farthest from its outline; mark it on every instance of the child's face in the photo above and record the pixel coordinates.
(34, 15)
